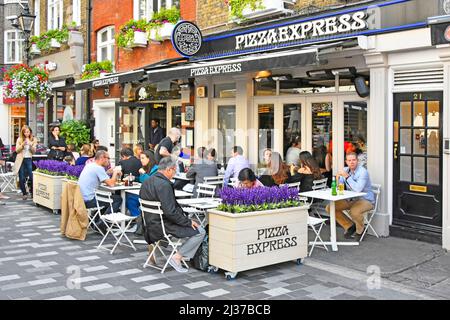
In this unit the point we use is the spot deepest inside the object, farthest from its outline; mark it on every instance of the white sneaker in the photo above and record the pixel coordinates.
(177, 266)
(132, 229)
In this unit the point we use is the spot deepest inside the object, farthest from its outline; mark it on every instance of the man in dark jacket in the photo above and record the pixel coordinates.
(204, 166)
(159, 188)
(130, 164)
(156, 134)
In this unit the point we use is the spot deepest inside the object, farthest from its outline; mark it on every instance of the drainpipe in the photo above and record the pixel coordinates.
(89, 116)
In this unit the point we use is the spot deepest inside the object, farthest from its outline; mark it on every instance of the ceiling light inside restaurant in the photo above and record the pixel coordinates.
(263, 74)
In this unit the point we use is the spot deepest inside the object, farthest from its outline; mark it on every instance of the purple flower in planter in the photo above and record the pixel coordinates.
(52, 166)
(74, 171)
(258, 196)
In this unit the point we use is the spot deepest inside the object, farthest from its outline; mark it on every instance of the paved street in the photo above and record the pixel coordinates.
(37, 263)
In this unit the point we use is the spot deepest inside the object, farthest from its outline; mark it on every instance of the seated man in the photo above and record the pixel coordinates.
(159, 188)
(235, 164)
(130, 164)
(92, 176)
(356, 179)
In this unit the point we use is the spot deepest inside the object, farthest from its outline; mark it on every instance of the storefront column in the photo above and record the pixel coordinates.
(444, 55)
(203, 117)
(244, 114)
(378, 126)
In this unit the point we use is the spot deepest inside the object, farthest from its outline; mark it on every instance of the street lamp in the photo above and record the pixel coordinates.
(25, 22)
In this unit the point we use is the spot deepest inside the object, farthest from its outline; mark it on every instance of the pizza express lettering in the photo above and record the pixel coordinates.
(105, 82)
(42, 191)
(284, 240)
(221, 69)
(306, 30)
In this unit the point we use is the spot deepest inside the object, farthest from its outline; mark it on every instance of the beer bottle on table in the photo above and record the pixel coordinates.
(333, 187)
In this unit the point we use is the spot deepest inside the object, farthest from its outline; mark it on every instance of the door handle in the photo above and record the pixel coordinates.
(395, 151)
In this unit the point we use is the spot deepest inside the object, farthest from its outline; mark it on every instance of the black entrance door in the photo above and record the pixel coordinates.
(418, 164)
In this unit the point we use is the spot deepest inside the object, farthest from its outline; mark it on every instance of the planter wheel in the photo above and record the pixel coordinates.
(299, 262)
(230, 275)
(212, 269)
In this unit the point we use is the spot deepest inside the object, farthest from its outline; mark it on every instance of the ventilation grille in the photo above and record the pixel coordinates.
(427, 77)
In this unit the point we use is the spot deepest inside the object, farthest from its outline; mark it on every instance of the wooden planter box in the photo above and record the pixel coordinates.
(239, 242)
(47, 190)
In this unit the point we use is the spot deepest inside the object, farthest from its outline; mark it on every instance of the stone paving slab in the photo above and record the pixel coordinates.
(38, 263)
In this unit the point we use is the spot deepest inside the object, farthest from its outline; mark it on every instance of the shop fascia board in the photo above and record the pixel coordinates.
(404, 40)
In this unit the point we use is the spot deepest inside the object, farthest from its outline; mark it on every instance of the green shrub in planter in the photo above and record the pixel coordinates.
(75, 132)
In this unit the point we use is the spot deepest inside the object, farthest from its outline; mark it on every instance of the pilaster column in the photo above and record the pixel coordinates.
(378, 126)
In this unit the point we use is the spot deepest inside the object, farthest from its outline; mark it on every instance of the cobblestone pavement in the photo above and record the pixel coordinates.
(36, 262)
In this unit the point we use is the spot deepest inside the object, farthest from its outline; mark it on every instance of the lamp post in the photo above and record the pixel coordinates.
(25, 22)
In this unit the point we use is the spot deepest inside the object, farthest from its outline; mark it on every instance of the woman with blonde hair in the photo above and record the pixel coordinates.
(85, 154)
(25, 148)
(277, 172)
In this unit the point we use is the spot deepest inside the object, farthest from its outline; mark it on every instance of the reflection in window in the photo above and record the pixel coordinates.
(355, 126)
(265, 87)
(322, 131)
(419, 113)
(131, 127)
(419, 170)
(433, 171)
(226, 127)
(405, 168)
(433, 114)
(265, 127)
(176, 117)
(225, 90)
(291, 125)
(405, 114)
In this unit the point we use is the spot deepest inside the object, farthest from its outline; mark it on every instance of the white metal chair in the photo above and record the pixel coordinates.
(115, 221)
(154, 207)
(313, 223)
(217, 180)
(293, 185)
(232, 182)
(368, 215)
(7, 180)
(93, 214)
(315, 206)
(203, 190)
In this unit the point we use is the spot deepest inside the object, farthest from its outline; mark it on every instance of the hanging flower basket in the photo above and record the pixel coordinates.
(133, 34)
(22, 79)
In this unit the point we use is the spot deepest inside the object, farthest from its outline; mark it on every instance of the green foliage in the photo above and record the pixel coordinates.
(43, 41)
(238, 6)
(171, 15)
(262, 207)
(93, 70)
(75, 132)
(125, 37)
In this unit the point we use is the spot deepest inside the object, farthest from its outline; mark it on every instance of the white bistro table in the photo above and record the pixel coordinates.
(178, 193)
(326, 195)
(122, 188)
(201, 203)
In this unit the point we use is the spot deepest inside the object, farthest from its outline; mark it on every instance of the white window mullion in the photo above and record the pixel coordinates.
(49, 14)
(76, 12)
(60, 20)
(37, 13)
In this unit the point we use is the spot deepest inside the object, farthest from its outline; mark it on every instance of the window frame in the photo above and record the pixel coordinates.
(55, 22)
(110, 43)
(18, 43)
(150, 9)
(76, 12)
(37, 21)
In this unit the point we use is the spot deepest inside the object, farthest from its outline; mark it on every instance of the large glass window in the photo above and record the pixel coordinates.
(225, 90)
(226, 129)
(265, 87)
(322, 132)
(131, 132)
(13, 46)
(176, 117)
(54, 14)
(266, 119)
(65, 105)
(291, 125)
(355, 126)
(105, 44)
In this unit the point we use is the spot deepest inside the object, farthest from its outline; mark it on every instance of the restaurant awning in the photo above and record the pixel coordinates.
(130, 76)
(236, 65)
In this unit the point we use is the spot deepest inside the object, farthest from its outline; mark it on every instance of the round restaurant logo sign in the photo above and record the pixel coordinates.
(186, 38)
(447, 34)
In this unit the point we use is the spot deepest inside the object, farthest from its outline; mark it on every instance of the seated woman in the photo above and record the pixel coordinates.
(149, 168)
(277, 172)
(85, 154)
(69, 160)
(247, 179)
(308, 172)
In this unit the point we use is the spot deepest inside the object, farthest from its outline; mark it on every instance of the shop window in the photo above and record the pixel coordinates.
(322, 127)
(266, 117)
(131, 127)
(226, 128)
(76, 12)
(151, 92)
(291, 125)
(13, 46)
(54, 14)
(65, 105)
(355, 126)
(105, 44)
(225, 90)
(265, 87)
(176, 117)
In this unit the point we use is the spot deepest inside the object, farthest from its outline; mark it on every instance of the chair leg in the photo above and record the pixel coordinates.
(106, 234)
(174, 249)
(152, 254)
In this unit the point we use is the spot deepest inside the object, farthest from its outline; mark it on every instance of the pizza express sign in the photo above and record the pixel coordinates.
(305, 30)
